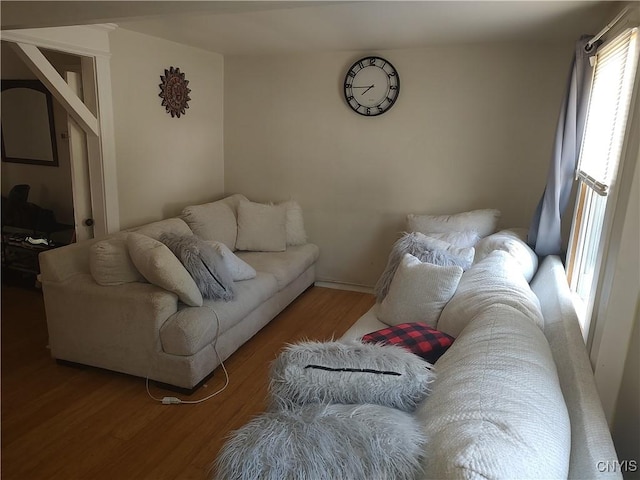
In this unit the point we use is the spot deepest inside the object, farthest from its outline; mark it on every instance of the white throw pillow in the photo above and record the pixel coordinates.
(418, 292)
(484, 222)
(162, 268)
(296, 234)
(261, 228)
(512, 241)
(213, 221)
(239, 269)
(110, 263)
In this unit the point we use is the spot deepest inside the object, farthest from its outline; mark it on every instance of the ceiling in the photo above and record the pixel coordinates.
(271, 27)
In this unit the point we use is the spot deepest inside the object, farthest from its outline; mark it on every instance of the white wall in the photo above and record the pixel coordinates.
(165, 163)
(472, 128)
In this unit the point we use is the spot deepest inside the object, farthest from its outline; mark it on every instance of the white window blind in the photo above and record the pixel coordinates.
(607, 113)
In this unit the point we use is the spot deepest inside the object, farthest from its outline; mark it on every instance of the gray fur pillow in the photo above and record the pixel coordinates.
(204, 263)
(349, 372)
(325, 442)
(420, 247)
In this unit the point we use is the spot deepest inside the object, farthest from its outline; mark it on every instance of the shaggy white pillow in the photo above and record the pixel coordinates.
(239, 269)
(296, 234)
(464, 239)
(418, 292)
(110, 263)
(350, 373)
(261, 228)
(484, 222)
(325, 442)
(161, 267)
(512, 241)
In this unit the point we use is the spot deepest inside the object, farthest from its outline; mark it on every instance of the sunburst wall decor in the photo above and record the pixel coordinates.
(174, 92)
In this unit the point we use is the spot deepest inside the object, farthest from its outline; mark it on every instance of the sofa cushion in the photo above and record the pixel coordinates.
(496, 409)
(425, 249)
(191, 328)
(261, 227)
(204, 263)
(349, 372)
(285, 266)
(512, 241)
(418, 338)
(484, 222)
(239, 269)
(156, 229)
(495, 279)
(214, 220)
(162, 268)
(418, 292)
(110, 262)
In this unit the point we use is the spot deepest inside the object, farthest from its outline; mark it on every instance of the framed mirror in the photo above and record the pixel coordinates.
(28, 133)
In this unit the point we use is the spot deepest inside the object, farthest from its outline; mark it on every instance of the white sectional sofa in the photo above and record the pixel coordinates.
(139, 328)
(514, 395)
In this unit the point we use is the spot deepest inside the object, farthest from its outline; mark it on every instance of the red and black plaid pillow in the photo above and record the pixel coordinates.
(418, 338)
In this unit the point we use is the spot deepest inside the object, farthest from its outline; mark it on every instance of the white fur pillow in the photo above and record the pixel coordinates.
(239, 269)
(418, 292)
(484, 222)
(464, 239)
(512, 241)
(261, 228)
(296, 234)
(161, 267)
(110, 263)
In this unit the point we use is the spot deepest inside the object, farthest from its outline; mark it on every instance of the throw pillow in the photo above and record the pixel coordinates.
(418, 292)
(296, 234)
(239, 269)
(426, 249)
(110, 262)
(484, 222)
(213, 221)
(204, 263)
(418, 338)
(325, 442)
(261, 227)
(349, 372)
(159, 266)
(513, 242)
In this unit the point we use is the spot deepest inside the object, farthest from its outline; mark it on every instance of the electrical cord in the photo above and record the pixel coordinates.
(178, 401)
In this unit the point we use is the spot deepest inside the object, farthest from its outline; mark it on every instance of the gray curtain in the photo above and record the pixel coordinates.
(545, 235)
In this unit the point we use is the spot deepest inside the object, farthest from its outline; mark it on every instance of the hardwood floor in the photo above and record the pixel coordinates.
(61, 422)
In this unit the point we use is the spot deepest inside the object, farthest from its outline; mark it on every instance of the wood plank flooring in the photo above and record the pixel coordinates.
(62, 422)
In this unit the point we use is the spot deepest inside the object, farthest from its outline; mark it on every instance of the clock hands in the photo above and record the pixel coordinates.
(368, 87)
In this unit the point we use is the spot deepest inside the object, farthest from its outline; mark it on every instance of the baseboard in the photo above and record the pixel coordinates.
(345, 286)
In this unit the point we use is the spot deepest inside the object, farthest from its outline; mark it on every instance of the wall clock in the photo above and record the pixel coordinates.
(371, 86)
(174, 92)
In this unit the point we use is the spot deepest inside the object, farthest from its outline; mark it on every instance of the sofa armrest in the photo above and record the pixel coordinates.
(592, 447)
(115, 327)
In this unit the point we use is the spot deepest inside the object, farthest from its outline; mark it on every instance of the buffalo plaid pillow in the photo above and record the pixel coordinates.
(418, 338)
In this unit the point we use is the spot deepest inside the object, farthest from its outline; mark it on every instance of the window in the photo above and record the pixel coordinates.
(605, 126)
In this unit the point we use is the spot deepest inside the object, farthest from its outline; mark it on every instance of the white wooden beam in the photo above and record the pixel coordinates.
(48, 75)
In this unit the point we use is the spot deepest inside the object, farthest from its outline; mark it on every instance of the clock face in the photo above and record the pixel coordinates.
(371, 86)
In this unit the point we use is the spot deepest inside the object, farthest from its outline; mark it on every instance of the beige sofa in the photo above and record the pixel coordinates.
(141, 329)
(514, 395)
